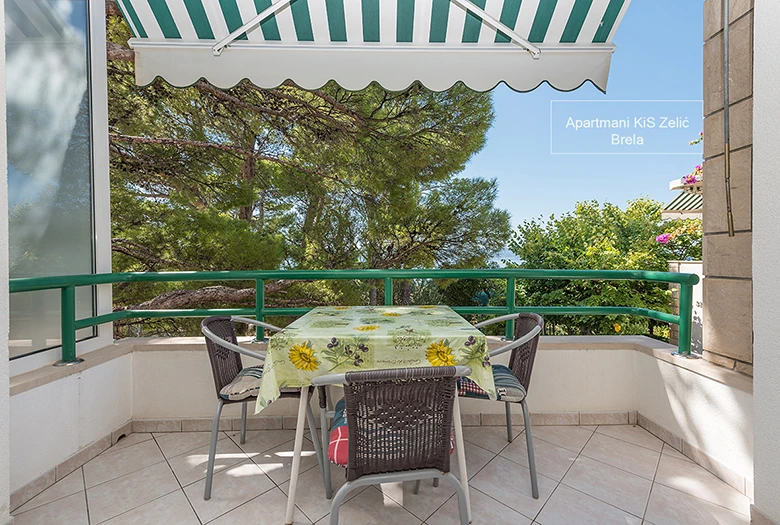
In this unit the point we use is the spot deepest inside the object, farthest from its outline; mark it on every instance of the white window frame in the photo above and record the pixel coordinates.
(101, 193)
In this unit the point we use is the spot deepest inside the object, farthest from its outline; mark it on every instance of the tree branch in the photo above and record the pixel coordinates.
(112, 9)
(187, 299)
(166, 141)
(142, 253)
(119, 52)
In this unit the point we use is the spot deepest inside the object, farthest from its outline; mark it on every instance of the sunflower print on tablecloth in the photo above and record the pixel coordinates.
(440, 354)
(302, 357)
(367, 328)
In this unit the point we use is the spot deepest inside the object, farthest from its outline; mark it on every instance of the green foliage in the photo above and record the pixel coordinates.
(204, 178)
(601, 237)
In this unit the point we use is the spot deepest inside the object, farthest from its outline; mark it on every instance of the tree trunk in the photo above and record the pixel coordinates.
(246, 213)
(372, 292)
(406, 293)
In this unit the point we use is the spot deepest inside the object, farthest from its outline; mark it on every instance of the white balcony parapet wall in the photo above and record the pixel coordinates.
(165, 384)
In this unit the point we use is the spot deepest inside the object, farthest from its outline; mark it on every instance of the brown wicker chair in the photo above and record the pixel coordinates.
(512, 382)
(399, 425)
(236, 384)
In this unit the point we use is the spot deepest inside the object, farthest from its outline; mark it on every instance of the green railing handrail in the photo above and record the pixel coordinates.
(68, 283)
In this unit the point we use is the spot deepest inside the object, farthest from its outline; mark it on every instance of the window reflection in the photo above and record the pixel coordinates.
(49, 161)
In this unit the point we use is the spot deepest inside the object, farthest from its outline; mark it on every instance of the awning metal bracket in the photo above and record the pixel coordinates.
(232, 37)
(487, 18)
(500, 26)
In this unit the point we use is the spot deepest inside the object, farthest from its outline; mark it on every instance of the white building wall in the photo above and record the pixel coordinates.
(5, 431)
(56, 420)
(713, 417)
(766, 251)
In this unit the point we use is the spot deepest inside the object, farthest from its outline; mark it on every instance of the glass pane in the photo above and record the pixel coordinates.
(49, 161)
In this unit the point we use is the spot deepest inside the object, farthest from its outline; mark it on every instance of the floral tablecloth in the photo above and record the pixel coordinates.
(339, 339)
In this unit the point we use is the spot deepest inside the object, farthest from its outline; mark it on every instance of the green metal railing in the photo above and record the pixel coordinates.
(70, 324)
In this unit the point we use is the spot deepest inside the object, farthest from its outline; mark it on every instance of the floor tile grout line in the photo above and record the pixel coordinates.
(613, 466)
(602, 501)
(629, 442)
(126, 473)
(123, 475)
(237, 506)
(190, 450)
(706, 500)
(560, 482)
(139, 506)
(554, 444)
(594, 497)
(181, 487)
(276, 485)
(86, 496)
(650, 494)
(259, 495)
(16, 512)
(475, 488)
(607, 464)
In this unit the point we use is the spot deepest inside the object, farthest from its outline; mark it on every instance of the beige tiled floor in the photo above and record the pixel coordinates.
(618, 475)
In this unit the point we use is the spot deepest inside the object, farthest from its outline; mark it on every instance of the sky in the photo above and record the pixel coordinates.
(658, 58)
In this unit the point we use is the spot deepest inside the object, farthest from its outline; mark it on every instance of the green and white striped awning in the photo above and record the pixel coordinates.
(685, 205)
(393, 42)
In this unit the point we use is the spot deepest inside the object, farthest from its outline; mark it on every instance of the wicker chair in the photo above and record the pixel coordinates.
(399, 427)
(512, 382)
(236, 384)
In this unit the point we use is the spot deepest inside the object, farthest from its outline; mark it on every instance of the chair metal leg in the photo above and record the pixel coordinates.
(462, 504)
(530, 443)
(243, 422)
(416, 487)
(435, 482)
(324, 427)
(337, 499)
(508, 421)
(213, 449)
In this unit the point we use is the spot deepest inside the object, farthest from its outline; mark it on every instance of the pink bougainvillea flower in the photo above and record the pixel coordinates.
(664, 238)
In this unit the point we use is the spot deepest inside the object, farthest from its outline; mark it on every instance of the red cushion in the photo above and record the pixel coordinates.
(338, 448)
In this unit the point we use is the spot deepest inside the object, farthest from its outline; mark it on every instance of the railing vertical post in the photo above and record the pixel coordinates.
(388, 291)
(686, 319)
(510, 305)
(259, 307)
(68, 327)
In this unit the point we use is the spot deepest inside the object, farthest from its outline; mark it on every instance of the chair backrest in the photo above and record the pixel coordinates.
(521, 362)
(225, 363)
(399, 419)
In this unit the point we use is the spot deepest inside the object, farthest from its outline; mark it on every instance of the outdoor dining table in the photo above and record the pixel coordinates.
(339, 339)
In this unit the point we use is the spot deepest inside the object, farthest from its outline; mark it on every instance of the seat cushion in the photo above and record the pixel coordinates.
(338, 447)
(508, 387)
(246, 384)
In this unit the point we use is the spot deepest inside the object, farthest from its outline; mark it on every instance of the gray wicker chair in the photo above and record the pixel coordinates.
(399, 425)
(225, 356)
(512, 382)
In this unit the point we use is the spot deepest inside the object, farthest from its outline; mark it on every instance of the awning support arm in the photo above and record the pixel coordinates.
(499, 26)
(232, 37)
(465, 4)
